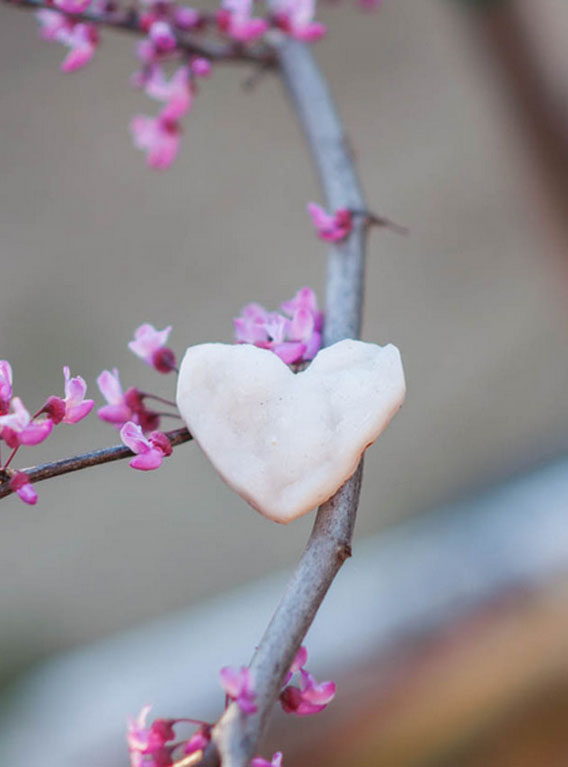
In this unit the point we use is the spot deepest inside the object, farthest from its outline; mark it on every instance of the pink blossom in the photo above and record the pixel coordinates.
(258, 761)
(74, 407)
(150, 345)
(295, 17)
(116, 411)
(160, 136)
(147, 744)
(17, 428)
(201, 67)
(123, 407)
(309, 698)
(51, 23)
(176, 91)
(150, 451)
(82, 39)
(234, 19)
(305, 299)
(331, 228)
(187, 18)
(21, 485)
(72, 6)
(294, 338)
(162, 36)
(5, 386)
(238, 686)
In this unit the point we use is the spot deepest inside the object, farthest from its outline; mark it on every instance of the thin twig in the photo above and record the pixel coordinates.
(236, 736)
(95, 458)
(128, 20)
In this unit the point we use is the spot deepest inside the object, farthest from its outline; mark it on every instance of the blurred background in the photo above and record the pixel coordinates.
(447, 632)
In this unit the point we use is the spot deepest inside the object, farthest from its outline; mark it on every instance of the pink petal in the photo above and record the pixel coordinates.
(36, 432)
(231, 681)
(309, 33)
(289, 352)
(314, 693)
(320, 219)
(201, 67)
(76, 413)
(300, 660)
(148, 461)
(27, 494)
(110, 388)
(132, 436)
(302, 325)
(313, 345)
(77, 58)
(116, 414)
(5, 380)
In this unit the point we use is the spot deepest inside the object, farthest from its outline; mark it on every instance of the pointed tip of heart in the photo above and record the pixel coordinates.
(286, 443)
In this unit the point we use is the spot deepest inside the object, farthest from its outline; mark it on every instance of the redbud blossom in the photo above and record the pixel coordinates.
(117, 411)
(74, 407)
(234, 19)
(17, 428)
(239, 687)
(187, 18)
(162, 35)
(293, 338)
(150, 345)
(176, 91)
(201, 67)
(295, 17)
(5, 386)
(331, 228)
(309, 698)
(150, 451)
(21, 485)
(258, 761)
(147, 744)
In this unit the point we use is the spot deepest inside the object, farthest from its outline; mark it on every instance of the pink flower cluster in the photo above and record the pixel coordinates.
(294, 335)
(81, 38)
(127, 410)
(154, 745)
(18, 428)
(164, 23)
(151, 746)
(238, 686)
(332, 228)
(310, 697)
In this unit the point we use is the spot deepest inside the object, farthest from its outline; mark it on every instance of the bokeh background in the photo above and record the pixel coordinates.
(458, 116)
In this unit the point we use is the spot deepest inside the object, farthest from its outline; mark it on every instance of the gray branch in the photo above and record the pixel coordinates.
(236, 736)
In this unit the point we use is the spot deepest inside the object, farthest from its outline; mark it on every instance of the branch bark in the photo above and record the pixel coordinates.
(95, 458)
(236, 736)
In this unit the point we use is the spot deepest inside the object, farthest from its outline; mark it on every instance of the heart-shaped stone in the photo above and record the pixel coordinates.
(286, 442)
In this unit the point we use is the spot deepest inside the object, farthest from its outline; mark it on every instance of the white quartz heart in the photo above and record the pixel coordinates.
(286, 442)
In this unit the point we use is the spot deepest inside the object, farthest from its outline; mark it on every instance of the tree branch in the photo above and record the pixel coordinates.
(236, 736)
(128, 20)
(96, 458)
